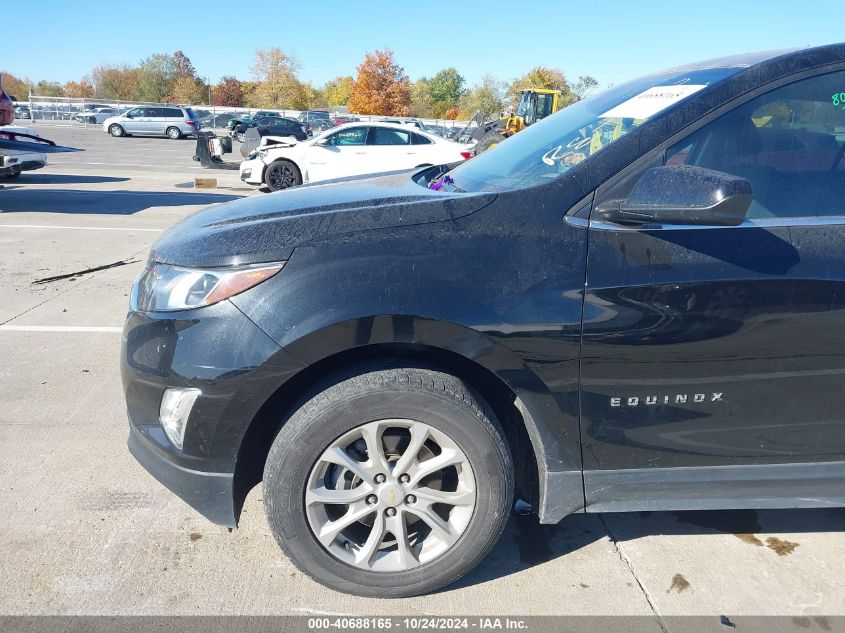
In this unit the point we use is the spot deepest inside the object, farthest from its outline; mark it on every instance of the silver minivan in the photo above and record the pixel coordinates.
(171, 121)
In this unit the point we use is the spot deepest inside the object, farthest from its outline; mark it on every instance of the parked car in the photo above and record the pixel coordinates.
(249, 117)
(348, 150)
(316, 121)
(272, 126)
(411, 122)
(97, 115)
(22, 112)
(171, 121)
(52, 112)
(343, 118)
(14, 162)
(569, 313)
(218, 119)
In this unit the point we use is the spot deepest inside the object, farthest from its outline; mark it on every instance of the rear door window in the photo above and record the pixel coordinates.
(419, 139)
(388, 136)
(154, 112)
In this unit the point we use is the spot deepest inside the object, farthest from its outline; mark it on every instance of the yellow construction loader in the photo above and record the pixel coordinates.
(534, 104)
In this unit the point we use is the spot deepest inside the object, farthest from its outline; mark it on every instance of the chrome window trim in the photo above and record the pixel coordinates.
(756, 223)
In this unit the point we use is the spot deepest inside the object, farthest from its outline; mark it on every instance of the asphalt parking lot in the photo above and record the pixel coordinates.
(85, 530)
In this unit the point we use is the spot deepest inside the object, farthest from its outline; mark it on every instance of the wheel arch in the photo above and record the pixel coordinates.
(520, 400)
(293, 162)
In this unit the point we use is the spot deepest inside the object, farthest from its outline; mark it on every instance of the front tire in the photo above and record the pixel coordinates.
(116, 130)
(174, 133)
(282, 174)
(389, 482)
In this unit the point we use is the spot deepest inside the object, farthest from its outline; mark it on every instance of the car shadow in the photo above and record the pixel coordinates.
(121, 202)
(526, 543)
(64, 179)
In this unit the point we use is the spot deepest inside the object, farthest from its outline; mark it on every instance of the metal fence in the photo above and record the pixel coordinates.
(92, 112)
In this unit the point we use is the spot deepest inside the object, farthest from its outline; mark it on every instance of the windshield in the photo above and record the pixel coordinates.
(553, 146)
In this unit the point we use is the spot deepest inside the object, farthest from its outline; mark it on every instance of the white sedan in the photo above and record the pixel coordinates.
(352, 149)
(12, 162)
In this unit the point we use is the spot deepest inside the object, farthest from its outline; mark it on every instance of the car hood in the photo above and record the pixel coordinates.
(267, 228)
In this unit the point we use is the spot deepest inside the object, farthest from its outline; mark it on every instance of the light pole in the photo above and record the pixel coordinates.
(211, 107)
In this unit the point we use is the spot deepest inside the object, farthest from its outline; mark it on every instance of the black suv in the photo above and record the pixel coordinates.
(271, 126)
(637, 303)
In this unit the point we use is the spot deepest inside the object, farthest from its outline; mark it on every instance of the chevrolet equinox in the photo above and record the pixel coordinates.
(637, 303)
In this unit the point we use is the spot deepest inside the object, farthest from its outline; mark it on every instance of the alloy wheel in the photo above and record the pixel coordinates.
(390, 495)
(281, 177)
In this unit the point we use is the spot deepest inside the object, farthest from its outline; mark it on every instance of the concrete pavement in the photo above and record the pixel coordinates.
(87, 531)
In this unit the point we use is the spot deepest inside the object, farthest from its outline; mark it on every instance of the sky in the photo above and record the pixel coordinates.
(612, 40)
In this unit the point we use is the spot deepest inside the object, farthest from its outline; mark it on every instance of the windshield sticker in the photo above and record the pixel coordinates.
(838, 99)
(650, 102)
(566, 157)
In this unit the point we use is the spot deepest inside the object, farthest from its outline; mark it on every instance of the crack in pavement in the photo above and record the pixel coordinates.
(86, 271)
(68, 289)
(621, 554)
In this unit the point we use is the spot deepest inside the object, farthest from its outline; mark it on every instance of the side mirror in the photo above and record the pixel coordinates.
(322, 141)
(683, 194)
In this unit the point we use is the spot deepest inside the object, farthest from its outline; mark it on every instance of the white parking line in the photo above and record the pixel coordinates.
(78, 228)
(59, 328)
(158, 165)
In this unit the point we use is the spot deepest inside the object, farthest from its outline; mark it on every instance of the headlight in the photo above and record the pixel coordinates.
(163, 288)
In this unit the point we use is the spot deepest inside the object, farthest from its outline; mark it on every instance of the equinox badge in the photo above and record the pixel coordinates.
(680, 398)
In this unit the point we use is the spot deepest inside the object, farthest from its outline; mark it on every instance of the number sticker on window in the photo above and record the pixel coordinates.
(838, 99)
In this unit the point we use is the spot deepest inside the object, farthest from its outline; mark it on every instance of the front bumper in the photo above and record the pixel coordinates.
(14, 164)
(221, 352)
(210, 494)
(252, 171)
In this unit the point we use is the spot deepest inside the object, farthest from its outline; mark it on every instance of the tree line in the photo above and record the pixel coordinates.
(380, 86)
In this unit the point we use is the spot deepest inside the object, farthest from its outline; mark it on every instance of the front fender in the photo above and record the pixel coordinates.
(473, 286)
(556, 447)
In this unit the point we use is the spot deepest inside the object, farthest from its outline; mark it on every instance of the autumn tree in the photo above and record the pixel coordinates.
(336, 91)
(156, 74)
(311, 97)
(249, 92)
(15, 87)
(182, 66)
(188, 90)
(46, 88)
(381, 87)
(115, 82)
(277, 85)
(583, 86)
(487, 97)
(82, 88)
(229, 92)
(421, 105)
(452, 114)
(445, 89)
